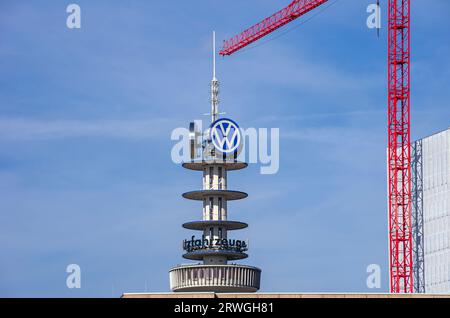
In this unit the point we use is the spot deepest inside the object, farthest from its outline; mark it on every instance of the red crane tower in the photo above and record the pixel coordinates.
(399, 159)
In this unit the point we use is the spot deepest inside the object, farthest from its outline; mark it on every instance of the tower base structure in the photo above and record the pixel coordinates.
(215, 278)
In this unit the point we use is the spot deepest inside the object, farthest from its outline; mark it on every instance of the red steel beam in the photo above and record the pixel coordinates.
(296, 9)
(399, 147)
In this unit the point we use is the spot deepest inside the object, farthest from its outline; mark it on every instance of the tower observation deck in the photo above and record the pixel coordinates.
(212, 247)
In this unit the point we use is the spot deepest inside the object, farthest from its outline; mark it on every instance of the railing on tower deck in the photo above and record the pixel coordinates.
(240, 278)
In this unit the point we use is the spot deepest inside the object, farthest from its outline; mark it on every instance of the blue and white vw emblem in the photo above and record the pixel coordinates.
(225, 135)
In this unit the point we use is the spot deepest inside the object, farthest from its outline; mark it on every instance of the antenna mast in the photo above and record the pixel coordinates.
(214, 85)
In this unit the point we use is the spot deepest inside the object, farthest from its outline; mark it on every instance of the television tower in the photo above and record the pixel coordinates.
(213, 248)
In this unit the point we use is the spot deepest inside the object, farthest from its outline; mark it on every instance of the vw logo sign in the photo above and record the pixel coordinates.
(225, 135)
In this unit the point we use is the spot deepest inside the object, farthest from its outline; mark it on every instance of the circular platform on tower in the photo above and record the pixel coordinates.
(215, 278)
(198, 255)
(228, 225)
(229, 165)
(227, 194)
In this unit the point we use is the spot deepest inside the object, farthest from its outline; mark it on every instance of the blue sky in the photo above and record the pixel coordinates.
(86, 115)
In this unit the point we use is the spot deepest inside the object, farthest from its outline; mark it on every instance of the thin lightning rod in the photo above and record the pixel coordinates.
(214, 86)
(214, 55)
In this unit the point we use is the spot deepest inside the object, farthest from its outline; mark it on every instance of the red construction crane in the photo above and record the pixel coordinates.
(399, 159)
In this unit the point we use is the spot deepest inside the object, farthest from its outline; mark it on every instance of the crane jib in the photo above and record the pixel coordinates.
(296, 9)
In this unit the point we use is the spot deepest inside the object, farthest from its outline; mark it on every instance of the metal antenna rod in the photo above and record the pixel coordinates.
(214, 85)
(214, 55)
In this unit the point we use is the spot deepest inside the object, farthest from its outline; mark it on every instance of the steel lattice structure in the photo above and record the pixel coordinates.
(399, 147)
(293, 11)
(399, 153)
(417, 217)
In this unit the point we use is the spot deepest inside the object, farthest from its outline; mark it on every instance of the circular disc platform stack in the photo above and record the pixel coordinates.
(212, 246)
